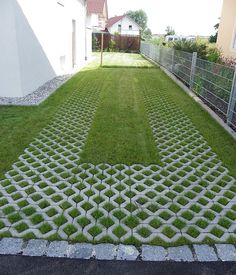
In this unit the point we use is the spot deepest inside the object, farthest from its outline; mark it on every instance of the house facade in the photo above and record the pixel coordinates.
(97, 14)
(39, 41)
(227, 30)
(123, 25)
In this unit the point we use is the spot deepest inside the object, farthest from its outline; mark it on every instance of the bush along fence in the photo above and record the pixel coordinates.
(117, 42)
(215, 84)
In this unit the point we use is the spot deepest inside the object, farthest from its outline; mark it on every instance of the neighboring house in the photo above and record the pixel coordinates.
(97, 14)
(123, 25)
(227, 30)
(40, 40)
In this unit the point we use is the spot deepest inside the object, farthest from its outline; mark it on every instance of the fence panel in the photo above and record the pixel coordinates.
(127, 43)
(214, 83)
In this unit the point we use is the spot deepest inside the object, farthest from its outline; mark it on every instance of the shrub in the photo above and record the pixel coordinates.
(112, 45)
(191, 46)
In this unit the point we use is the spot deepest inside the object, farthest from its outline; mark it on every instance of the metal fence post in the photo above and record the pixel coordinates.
(173, 61)
(232, 101)
(193, 68)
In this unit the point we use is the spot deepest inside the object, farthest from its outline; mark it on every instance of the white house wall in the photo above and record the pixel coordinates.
(125, 22)
(10, 82)
(43, 38)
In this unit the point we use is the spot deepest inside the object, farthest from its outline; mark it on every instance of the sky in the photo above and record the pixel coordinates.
(187, 17)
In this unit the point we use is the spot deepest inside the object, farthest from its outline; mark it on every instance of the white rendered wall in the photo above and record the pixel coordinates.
(125, 22)
(43, 38)
(10, 82)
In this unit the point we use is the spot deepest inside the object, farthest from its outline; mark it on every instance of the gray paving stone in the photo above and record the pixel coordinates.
(11, 246)
(153, 253)
(81, 251)
(127, 252)
(105, 251)
(226, 252)
(179, 254)
(35, 248)
(205, 253)
(58, 249)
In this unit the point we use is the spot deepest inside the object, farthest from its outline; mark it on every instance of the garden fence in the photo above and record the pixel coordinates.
(214, 83)
(127, 43)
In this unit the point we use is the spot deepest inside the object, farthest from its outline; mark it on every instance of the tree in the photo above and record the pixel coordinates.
(147, 34)
(213, 38)
(169, 31)
(140, 17)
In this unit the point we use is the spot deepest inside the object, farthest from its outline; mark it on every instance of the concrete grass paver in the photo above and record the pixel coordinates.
(49, 193)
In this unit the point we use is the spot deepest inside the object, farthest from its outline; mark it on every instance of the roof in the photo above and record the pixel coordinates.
(111, 21)
(95, 6)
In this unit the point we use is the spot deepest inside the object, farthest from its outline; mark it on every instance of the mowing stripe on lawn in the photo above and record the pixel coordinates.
(120, 132)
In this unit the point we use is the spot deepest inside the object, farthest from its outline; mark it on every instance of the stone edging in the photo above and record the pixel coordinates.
(62, 249)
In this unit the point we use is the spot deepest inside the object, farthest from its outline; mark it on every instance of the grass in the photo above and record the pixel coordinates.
(120, 132)
(119, 60)
(219, 140)
(19, 125)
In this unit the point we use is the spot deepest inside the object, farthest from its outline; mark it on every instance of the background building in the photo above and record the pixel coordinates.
(123, 25)
(227, 31)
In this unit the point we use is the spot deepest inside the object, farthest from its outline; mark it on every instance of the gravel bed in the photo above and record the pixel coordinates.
(38, 96)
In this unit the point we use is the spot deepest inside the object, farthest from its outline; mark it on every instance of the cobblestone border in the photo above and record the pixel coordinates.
(62, 249)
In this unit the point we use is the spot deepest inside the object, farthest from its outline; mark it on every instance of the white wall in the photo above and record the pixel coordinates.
(42, 41)
(10, 82)
(92, 21)
(125, 22)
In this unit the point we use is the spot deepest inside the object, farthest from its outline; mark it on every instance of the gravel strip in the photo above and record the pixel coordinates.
(38, 96)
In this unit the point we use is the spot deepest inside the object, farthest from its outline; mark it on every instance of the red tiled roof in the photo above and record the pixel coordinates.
(111, 21)
(95, 6)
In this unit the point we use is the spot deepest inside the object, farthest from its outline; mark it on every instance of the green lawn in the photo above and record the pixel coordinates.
(120, 132)
(124, 123)
(123, 60)
(19, 125)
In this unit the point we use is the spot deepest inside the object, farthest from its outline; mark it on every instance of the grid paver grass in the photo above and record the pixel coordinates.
(50, 193)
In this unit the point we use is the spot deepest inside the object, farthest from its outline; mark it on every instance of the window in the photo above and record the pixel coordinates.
(130, 27)
(119, 28)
